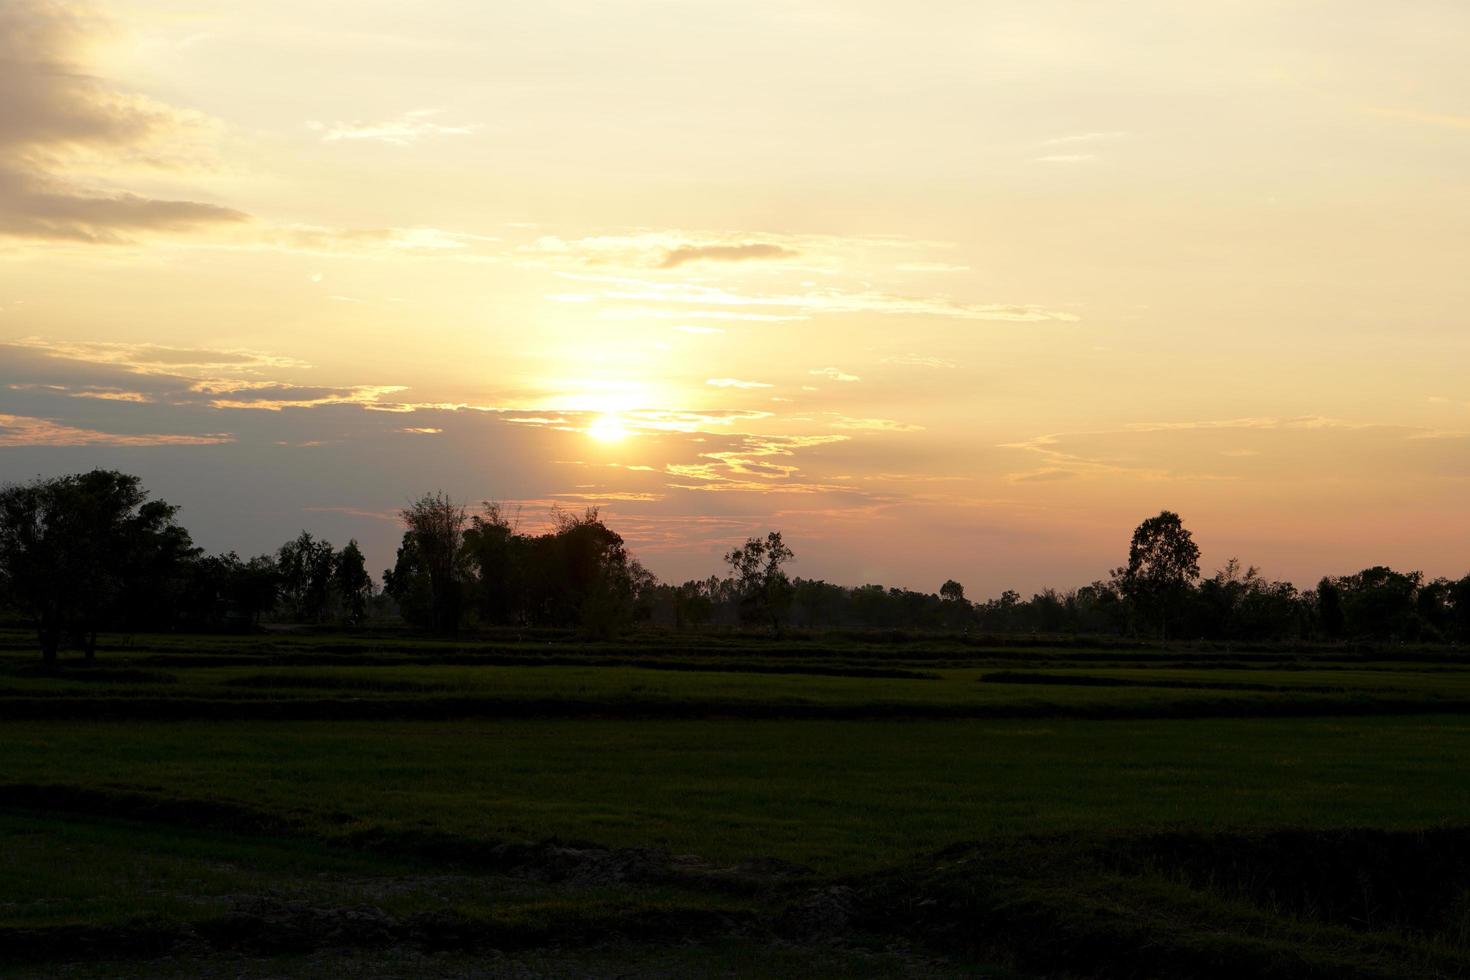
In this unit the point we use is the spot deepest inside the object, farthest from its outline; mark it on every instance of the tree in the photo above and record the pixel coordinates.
(1163, 562)
(585, 574)
(407, 583)
(952, 591)
(435, 525)
(496, 554)
(693, 603)
(353, 582)
(307, 567)
(70, 546)
(1460, 609)
(760, 580)
(256, 588)
(1381, 603)
(1330, 618)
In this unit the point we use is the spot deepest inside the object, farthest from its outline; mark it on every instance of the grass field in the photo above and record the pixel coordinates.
(308, 805)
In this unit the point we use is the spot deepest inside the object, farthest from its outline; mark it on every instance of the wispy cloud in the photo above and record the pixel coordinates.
(674, 248)
(827, 301)
(1142, 450)
(21, 430)
(593, 497)
(60, 118)
(732, 316)
(834, 374)
(99, 392)
(410, 127)
(745, 252)
(437, 243)
(277, 396)
(1067, 158)
(1093, 137)
(159, 359)
(930, 267)
(872, 425)
(735, 383)
(1252, 422)
(920, 360)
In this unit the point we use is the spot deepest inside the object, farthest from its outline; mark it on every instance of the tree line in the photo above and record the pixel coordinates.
(88, 552)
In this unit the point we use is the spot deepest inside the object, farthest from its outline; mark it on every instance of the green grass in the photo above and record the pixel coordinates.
(67, 871)
(837, 796)
(469, 690)
(178, 824)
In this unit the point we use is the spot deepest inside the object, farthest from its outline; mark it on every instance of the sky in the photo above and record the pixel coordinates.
(939, 290)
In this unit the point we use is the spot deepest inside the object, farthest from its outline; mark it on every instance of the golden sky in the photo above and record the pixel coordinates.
(938, 289)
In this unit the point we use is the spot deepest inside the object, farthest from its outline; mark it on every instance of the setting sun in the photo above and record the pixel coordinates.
(607, 428)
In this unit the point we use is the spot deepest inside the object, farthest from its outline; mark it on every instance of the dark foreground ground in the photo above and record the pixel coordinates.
(371, 805)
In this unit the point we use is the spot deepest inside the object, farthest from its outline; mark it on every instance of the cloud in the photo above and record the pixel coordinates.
(1041, 476)
(920, 360)
(40, 207)
(673, 248)
(735, 383)
(99, 392)
(1067, 158)
(611, 495)
(1192, 450)
(435, 243)
(827, 301)
(1095, 137)
(58, 119)
(930, 267)
(160, 359)
(873, 425)
(275, 396)
(393, 516)
(21, 430)
(656, 249)
(834, 374)
(725, 253)
(752, 466)
(733, 316)
(1252, 422)
(401, 131)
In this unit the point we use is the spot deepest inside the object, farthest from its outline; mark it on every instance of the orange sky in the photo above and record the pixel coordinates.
(939, 290)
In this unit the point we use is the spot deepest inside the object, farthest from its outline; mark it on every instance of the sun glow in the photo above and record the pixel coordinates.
(608, 428)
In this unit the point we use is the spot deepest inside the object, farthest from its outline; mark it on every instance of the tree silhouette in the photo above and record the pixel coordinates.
(435, 526)
(760, 580)
(1163, 562)
(71, 546)
(307, 566)
(353, 583)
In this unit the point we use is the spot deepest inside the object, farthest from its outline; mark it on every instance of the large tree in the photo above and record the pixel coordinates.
(497, 556)
(435, 527)
(758, 570)
(354, 584)
(1163, 562)
(72, 546)
(307, 568)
